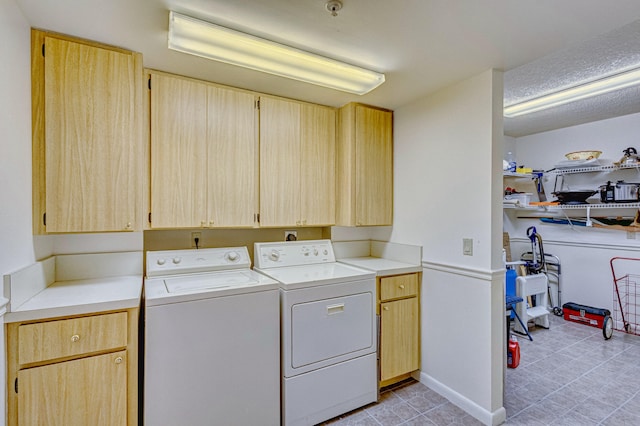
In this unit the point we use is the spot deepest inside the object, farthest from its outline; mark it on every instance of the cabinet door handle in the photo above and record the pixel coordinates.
(128, 225)
(203, 223)
(386, 308)
(75, 338)
(118, 360)
(401, 286)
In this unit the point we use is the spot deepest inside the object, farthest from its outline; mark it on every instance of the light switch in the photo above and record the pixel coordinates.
(467, 246)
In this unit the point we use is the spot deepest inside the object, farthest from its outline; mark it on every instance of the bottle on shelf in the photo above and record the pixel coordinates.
(511, 160)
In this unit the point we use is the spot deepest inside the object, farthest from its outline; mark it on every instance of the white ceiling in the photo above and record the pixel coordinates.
(421, 45)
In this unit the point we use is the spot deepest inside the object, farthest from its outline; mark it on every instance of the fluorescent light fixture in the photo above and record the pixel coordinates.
(200, 38)
(583, 91)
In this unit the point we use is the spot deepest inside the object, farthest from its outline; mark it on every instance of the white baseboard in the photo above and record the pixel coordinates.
(487, 417)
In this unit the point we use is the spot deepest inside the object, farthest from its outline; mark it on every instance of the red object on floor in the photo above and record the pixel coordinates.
(585, 314)
(513, 353)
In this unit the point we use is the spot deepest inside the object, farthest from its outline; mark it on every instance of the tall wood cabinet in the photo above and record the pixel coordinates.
(203, 154)
(297, 163)
(87, 136)
(73, 371)
(364, 171)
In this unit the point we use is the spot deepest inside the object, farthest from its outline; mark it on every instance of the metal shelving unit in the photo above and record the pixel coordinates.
(609, 168)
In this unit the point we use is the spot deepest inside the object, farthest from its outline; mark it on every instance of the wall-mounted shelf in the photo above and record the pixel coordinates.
(609, 168)
(519, 175)
(574, 206)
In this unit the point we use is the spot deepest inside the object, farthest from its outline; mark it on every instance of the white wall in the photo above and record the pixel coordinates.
(584, 252)
(448, 151)
(16, 242)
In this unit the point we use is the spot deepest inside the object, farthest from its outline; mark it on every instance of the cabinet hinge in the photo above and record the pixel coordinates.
(42, 49)
(258, 217)
(44, 219)
(149, 83)
(257, 103)
(149, 217)
(15, 385)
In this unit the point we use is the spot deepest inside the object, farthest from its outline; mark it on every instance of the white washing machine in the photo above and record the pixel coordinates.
(212, 340)
(328, 330)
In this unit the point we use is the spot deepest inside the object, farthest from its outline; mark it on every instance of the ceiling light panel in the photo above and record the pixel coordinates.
(207, 40)
(598, 87)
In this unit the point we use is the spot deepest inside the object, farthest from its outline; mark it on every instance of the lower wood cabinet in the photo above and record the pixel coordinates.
(73, 371)
(399, 310)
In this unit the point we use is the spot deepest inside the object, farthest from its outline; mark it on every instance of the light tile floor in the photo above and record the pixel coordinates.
(569, 375)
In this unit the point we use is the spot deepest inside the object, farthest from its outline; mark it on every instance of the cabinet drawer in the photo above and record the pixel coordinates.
(398, 286)
(63, 338)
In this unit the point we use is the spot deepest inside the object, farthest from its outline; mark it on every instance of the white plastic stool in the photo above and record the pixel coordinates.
(532, 285)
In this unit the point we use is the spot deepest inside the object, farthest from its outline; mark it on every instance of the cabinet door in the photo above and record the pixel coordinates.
(232, 160)
(88, 391)
(399, 351)
(178, 152)
(317, 165)
(279, 162)
(374, 166)
(91, 138)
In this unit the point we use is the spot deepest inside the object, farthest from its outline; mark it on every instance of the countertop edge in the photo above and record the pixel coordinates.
(67, 311)
(382, 271)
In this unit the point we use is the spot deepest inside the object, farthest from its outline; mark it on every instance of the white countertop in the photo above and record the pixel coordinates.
(66, 285)
(65, 298)
(382, 267)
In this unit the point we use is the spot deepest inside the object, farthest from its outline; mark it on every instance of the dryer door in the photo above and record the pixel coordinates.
(330, 328)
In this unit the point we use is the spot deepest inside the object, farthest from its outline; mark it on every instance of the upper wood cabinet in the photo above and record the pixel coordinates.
(203, 154)
(297, 163)
(87, 136)
(364, 172)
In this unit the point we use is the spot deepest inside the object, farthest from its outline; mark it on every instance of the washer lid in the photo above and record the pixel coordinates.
(181, 284)
(190, 287)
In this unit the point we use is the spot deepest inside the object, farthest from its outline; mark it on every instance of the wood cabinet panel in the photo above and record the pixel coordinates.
(399, 334)
(203, 154)
(63, 338)
(364, 166)
(232, 157)
(87, 391)
(317, 172)
(398, 286)
(91, 135)
(279, 162)
(51, 382)
(374, 167)
(178, 152)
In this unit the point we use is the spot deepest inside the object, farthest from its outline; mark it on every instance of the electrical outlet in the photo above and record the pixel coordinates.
(195, 235)
(467, 246)
(290, 235)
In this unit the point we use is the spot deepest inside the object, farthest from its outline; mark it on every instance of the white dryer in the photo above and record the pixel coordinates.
(212, 333)
(328, 330)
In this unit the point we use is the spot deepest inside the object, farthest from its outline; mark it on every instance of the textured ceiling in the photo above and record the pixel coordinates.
(600, 56)
(421, 45)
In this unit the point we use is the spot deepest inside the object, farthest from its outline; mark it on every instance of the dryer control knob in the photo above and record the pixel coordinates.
(232, 256)
(160, 262)
(177, 260)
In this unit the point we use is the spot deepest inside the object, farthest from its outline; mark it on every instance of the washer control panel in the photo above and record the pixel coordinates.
(170, 262)
(293, 253)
